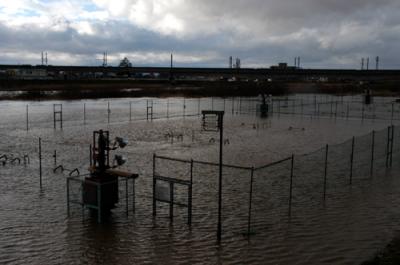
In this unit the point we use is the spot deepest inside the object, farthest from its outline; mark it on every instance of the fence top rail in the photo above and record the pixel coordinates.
(200, 162)
(173, 180)
(273, 163)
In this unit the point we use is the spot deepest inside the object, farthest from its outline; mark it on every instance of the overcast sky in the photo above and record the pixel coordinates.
(324, 33)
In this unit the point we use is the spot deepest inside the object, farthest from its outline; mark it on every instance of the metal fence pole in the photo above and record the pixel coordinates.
(126, 196)
(391, 118)
(68, 197)
(184, 107)
(372, 153)
(84, 113)
(154, 186)
(190, 194)
(99, 203)
(130, 110)
(250, 202)
(391, 147)
(387, 147)
(291, 185)
(171, 201)
(167, 108)
(27, 117)
(133, 195)
(40, 162)
(326, 169)
(108, 112)
(221, 138)
(352, 160)
(90, 155)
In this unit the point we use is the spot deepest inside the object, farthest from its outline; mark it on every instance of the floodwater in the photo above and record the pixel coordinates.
(348, 227)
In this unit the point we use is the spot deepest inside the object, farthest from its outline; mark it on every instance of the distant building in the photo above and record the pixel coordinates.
(27, 73)
(283, 66)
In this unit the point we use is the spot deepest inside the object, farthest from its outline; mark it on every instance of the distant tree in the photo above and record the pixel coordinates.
(125, 63)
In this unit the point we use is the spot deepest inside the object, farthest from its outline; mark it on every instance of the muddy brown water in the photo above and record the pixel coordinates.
(347, 228)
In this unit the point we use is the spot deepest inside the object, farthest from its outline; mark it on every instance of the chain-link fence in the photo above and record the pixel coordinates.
(255, 198)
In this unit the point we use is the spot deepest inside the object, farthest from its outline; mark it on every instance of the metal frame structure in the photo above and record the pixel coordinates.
(58, 115)
(171, 184)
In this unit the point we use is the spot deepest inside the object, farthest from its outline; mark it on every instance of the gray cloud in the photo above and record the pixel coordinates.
(330, 33)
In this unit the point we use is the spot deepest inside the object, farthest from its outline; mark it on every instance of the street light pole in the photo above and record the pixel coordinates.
(214, 121)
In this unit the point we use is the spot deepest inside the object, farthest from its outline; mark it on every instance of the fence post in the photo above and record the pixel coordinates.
(291, 186)
(388, 147)
(40, 162)
(184, 107)
(391, 146)
(250, 202)
(326, 169)
(171, 201)
(391, 118)
(68, 197)
(98, 203)
(133, 195)
(336, 103)
(130, 110)
(126, 196)
(84, 113)
(352, 160)
(154, 185)
(190, 194)
(167, 108)
(27, 117)
(372, 153)
(108, 112)
(90, 155)
(55, 157)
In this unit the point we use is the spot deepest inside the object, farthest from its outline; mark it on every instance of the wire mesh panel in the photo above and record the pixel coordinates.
(271, 190)
(308, 179)
(362, 157)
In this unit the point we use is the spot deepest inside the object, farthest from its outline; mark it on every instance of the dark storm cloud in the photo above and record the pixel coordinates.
(324, 33)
